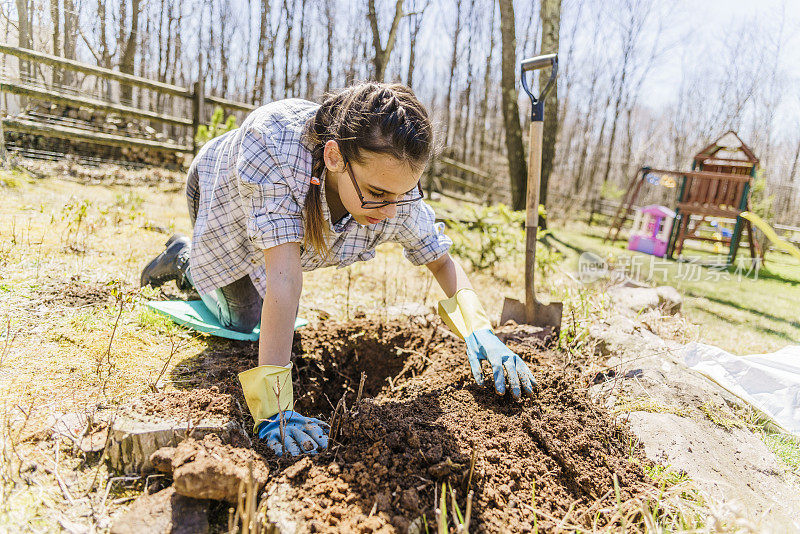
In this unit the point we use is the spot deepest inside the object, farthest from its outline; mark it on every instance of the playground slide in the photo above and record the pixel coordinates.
(770, 233)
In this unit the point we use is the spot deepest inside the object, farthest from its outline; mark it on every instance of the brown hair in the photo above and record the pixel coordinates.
(372, 117)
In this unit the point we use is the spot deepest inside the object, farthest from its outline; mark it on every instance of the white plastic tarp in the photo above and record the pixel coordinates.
(770, 382)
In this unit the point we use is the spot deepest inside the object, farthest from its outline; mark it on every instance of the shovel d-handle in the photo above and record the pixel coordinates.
(536, 63)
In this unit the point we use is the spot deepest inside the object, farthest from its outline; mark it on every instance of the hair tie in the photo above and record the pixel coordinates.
(314, 180)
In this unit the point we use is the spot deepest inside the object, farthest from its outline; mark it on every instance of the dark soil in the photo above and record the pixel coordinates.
(421, 417)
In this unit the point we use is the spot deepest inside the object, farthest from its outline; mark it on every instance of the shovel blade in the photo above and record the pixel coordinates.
(513, 310)
(544, 315)
(548, 315)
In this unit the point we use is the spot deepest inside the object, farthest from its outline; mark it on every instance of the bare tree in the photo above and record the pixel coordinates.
(513, 131)
(453, 68)
(55, 17)
(23, 34)
(415, 18)
(128, 58)
(465, 108)
(382, 54)
(329, 33)
(484, 106)
(551, 22)
(288, 14)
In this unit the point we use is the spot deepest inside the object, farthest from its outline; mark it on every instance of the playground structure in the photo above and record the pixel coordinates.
(717, 186)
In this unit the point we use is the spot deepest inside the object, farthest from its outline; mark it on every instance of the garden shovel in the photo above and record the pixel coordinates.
(532, 311)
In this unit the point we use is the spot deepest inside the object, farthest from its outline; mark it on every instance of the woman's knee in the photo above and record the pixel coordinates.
(244, 319)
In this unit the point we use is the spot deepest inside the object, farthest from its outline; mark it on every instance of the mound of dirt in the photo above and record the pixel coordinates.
(421, 418)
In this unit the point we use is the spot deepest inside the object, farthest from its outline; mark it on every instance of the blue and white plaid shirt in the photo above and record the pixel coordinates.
(252, 187)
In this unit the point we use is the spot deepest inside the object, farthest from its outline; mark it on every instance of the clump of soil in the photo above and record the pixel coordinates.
(191, 405)
(421, 418)
(210, 469)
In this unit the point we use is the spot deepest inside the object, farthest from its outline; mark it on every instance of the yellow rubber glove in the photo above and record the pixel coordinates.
(466, 317)
(463, 313)
(261, 385)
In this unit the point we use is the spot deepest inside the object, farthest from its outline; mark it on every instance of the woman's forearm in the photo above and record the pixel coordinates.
(284, 285)
(449, 274)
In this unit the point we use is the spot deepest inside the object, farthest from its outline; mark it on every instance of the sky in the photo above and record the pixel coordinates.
(706, 22)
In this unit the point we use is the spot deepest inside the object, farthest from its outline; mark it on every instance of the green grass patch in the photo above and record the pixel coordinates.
(151, 320)
(785, 447)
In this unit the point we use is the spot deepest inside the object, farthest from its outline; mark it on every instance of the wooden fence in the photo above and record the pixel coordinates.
(32, 88)
(459, 181)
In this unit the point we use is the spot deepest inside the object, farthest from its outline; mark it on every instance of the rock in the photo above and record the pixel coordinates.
(669, 414)
(134, 436)
(164, 512)
(280, 495)
(634, 300)
(132, 442)
(209, 469)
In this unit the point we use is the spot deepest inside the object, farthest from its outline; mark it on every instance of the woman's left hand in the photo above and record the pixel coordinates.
(485, 345)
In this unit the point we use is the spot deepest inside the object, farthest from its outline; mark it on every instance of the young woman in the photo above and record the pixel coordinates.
(300, 186)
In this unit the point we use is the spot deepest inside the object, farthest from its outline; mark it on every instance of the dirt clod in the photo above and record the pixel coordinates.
(209, 469)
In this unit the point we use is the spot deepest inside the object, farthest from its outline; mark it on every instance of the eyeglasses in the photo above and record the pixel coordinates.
(373, 204)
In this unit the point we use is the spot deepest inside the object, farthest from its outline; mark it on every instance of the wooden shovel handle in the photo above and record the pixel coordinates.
(532, 211)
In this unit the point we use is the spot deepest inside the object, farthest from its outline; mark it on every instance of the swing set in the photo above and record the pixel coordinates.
(717, 186)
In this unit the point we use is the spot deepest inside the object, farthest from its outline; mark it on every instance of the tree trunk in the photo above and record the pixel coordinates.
(55, 16)
(453, 68)
(246, 85)
(301, 49)
(551, 20)
(223, 47)
(260, 78)
(329, 29)
(129, 54)
(288, 88)
(24, 39)
(413, 30)
(486, 92)
(382, 55)
(466, 108)
(513, 131)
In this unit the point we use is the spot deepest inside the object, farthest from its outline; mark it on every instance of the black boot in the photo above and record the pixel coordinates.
(170, 264)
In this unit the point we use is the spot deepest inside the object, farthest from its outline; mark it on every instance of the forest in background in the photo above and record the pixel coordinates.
(610, 117)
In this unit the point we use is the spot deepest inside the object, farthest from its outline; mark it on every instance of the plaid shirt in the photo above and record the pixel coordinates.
(252, 187)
